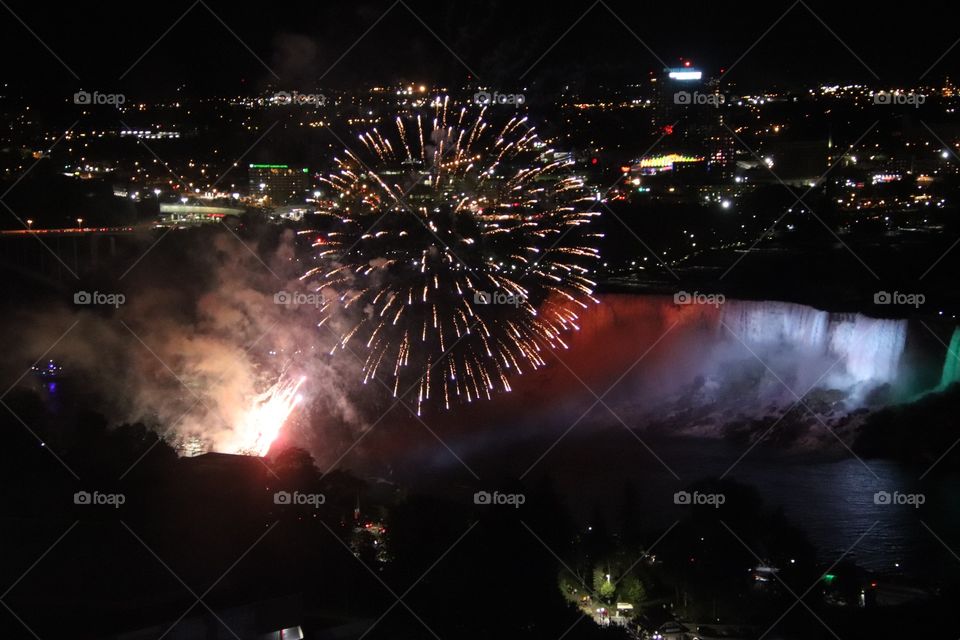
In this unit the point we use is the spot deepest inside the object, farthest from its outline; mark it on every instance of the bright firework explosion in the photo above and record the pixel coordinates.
(461, 246)
(260, 425)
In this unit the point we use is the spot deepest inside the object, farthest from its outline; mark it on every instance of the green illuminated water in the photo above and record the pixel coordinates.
(951, 364)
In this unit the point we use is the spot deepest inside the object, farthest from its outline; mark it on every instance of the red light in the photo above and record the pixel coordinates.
(594, 160)
(686, 63)
(668, 129)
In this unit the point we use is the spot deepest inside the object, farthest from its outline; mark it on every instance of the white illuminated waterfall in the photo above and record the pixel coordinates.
(864, 350)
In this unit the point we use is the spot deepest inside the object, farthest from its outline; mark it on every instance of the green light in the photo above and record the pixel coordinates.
(305, 170)
(829, 578)
(269, 166)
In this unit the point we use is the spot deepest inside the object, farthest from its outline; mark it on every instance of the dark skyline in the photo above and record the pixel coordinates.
(216, 48)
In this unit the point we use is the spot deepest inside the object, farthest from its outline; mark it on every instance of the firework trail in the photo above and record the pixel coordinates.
(261, 424)
(457, 253)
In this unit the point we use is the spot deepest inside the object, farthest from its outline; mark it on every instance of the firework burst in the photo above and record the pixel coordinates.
(458, 253)
(260, 425)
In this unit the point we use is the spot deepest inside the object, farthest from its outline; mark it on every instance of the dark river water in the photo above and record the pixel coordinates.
(832, 500)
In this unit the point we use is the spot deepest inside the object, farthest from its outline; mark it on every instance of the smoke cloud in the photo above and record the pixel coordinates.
(201, 333)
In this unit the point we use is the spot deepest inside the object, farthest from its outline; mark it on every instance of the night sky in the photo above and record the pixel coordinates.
(150, 49)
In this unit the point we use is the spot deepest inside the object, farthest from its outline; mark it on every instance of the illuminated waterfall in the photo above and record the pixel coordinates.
(866, 349)
(951, 363)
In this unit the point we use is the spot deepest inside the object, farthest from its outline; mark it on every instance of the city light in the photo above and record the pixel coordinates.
(686, 75)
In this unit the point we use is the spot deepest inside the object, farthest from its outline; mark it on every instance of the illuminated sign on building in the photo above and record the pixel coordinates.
(685, 74)
(656, 164)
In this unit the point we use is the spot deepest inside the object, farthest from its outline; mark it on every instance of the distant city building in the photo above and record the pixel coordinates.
(654, 164)
(721, 154)
(149, 134)
(674, 93)
(188, 215)
(281, 183)
(689, 108)
(294, 212)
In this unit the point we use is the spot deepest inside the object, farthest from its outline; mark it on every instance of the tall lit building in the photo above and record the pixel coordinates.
(674, 93)
(721, 152)
(689, 109)
(281, 183)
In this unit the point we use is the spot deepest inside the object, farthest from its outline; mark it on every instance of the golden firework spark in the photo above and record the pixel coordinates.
(457, 253)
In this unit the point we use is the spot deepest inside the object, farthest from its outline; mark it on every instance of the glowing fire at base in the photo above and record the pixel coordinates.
(261, 424)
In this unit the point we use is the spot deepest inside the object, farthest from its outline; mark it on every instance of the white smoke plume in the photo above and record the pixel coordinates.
(185, 357)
